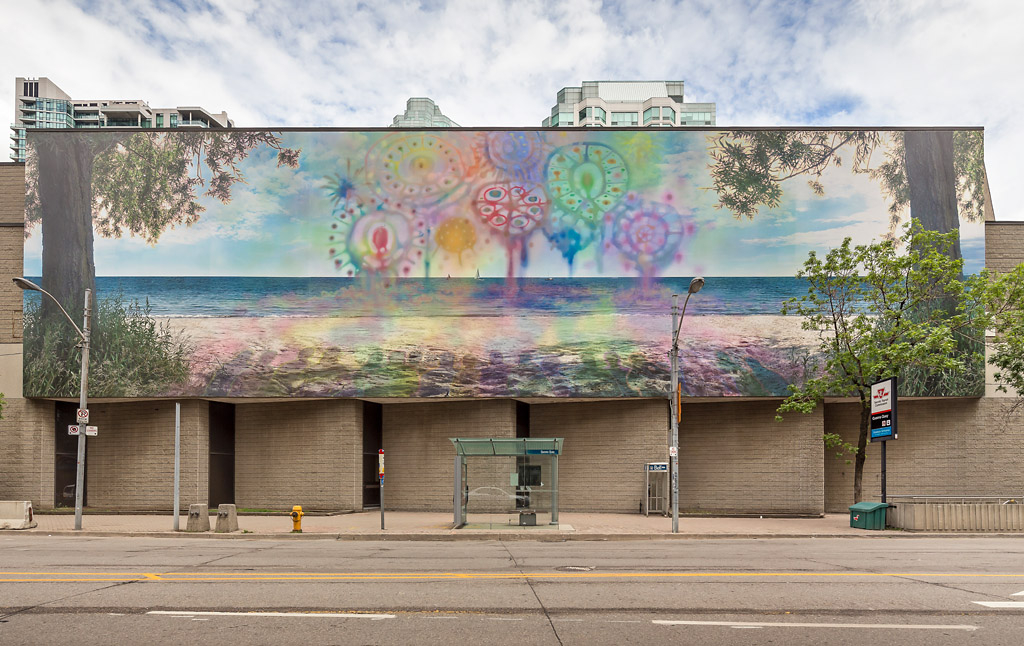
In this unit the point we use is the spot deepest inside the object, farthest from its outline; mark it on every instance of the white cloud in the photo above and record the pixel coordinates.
(278, 63)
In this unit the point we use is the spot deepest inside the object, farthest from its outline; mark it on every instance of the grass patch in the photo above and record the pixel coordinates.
(130, 354)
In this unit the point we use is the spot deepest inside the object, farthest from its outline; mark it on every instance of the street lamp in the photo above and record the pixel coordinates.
(83, 333)
(674, 402)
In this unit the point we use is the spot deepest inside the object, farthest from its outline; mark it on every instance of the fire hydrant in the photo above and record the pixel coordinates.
(297, 519)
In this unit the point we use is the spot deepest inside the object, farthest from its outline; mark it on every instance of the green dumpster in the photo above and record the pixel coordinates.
(868, 515)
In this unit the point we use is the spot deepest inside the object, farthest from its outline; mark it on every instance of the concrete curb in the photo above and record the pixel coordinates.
(499, 536)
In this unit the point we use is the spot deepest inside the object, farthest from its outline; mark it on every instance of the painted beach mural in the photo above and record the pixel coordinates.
(457, 263)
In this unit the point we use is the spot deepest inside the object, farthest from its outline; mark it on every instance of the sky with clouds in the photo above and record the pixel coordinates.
(491, 63)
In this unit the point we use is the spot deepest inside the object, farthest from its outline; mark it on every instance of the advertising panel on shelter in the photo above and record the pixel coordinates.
(455, 263)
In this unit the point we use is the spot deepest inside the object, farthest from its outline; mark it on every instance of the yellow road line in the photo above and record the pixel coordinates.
(48, 577)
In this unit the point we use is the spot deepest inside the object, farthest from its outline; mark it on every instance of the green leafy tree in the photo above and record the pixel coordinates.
(1004, 302)
(938, 174)
(881, 309)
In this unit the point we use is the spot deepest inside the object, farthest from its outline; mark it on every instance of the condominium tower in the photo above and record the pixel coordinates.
(421, 112)
(628, 103)
(40, 103)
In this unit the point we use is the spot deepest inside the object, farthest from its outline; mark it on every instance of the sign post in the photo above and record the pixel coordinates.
(380, 474)
(883, 417)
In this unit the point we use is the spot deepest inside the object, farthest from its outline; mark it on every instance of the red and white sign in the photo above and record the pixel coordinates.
(881, 397)
(82, 417)
(73, 429)
(380, 465)
(89, 430)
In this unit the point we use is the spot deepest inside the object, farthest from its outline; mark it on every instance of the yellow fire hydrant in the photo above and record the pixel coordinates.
(297, 518)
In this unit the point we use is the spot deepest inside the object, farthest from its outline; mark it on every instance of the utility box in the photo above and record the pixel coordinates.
(527, 519)
(868, 515)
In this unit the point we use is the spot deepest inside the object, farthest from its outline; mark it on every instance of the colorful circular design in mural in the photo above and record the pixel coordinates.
(516, 209)
(455, 235)
(378, 241)
(587, 179)
(415, 170)
(568, 234)
(647, 233)
(517, 154)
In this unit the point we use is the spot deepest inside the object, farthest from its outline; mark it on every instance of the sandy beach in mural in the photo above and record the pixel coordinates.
(462, 356)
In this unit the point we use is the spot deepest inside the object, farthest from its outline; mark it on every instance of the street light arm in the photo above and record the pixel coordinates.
(28, 285)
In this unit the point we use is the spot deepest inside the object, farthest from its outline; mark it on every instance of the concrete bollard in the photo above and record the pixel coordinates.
(198, 518)
(227, 519)
(16, 514)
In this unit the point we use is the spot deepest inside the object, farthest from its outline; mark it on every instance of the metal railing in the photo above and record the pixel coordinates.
(996, 500)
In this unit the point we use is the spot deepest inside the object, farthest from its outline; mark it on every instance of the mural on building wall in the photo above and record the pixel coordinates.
(455, 263)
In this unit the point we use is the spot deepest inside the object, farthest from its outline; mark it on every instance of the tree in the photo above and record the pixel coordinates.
(879, 310)
(1004, 302)
(137, 182)
(938, 174)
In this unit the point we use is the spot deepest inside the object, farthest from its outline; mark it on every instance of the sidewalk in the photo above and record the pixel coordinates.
(404, 525)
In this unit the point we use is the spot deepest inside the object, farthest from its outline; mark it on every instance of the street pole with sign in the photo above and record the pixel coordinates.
(883, 417)
(675, 396)
(83, 411)
(380, 474)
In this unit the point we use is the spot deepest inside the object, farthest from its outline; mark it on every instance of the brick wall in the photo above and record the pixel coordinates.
(299, 453)
(12, 241)
(736, 459)
(965, 447)
(420, 458)
(130, 464)
(1004, 245)
(26, 452)
(607, 445)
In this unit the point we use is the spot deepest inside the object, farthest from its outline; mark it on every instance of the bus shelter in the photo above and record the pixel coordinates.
(517, 483)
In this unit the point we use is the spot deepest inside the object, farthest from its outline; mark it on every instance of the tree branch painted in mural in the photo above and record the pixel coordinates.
(141, 183)
(880, 311)
(938, 174)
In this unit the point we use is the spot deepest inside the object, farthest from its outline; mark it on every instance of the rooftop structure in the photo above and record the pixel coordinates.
(628, 103)
(40, 103)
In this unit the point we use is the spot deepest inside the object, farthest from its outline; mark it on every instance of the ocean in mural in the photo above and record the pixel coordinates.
(439, 264)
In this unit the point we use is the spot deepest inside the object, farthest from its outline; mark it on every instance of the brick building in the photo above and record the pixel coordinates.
(273, 452)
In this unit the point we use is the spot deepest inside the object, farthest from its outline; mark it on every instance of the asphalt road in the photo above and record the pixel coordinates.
(81, 590)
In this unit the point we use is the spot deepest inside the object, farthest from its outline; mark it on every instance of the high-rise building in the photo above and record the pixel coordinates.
(628, 103)
(421, 112)
(40, 103)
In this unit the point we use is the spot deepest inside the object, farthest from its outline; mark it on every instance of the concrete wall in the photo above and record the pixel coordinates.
(299, 453)
(607, 445)
(26, 452)
(736, 459)
(964, 447)
(419, 458)
(130, 463)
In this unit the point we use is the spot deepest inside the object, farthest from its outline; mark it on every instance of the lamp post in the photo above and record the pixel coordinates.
(674, 403)
(83, 333)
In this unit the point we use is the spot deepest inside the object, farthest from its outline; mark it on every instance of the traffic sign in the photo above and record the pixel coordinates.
(380, 465)
(73, 429)
(82, 417)
(92, 430)
(673, 452)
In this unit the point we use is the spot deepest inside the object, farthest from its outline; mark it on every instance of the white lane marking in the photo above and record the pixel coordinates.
(211, 613)
(780, 624)
(1001, 604)
(1018, 594)
(505, 618)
